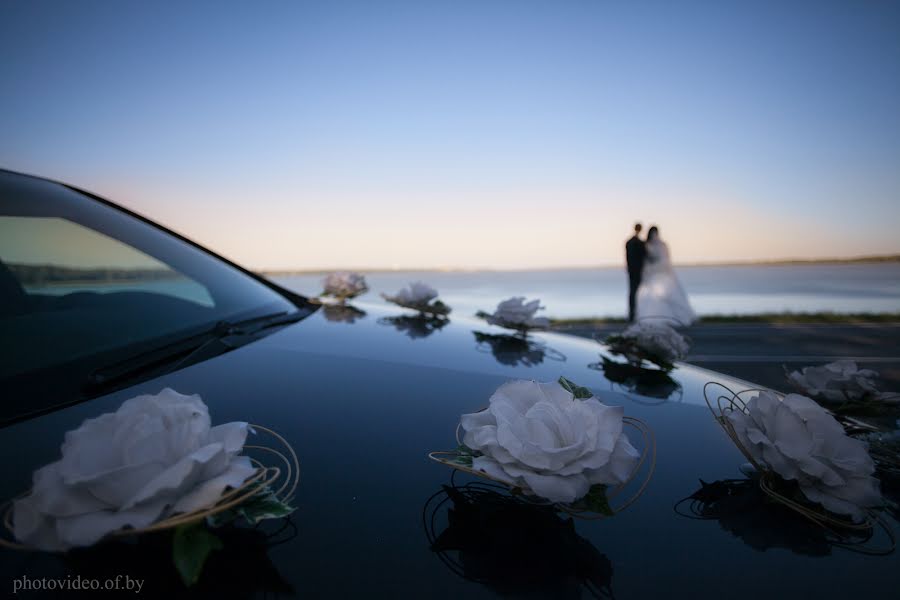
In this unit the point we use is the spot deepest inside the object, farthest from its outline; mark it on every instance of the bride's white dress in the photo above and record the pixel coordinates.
(660, 294)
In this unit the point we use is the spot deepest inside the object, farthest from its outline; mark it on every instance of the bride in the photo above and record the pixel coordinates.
(660, 294)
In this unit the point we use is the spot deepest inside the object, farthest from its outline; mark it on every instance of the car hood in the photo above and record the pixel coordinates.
(363, 394)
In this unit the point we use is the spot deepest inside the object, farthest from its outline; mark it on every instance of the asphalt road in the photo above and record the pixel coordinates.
(758, 353)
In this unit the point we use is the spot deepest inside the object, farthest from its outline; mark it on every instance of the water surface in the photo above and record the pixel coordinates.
(567, 293)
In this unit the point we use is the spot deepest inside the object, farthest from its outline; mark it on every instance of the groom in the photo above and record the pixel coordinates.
(635, 252)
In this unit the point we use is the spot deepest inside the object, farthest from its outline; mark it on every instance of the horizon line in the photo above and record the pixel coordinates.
(867, 259)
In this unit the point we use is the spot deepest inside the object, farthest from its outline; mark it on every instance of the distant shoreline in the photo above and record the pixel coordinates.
(782, 318)
(879, 259)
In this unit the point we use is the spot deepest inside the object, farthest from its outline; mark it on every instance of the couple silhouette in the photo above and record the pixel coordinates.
(654, 291)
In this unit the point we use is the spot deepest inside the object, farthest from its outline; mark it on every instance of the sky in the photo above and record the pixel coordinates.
(468, 134)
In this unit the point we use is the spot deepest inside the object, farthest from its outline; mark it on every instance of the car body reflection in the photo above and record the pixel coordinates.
(744, 510)
(649, 383)
(512, 546)
(415, 327)
(514, 350)
(342, 313)
(240, 568)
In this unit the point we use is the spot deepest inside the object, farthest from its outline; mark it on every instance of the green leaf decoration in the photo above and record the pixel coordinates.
(264, 506)
(259, 507)
(596, 501)
(191, 547)
(464, 455)
(576, 390)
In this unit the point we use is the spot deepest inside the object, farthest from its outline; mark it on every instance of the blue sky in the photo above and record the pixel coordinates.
(468, 134)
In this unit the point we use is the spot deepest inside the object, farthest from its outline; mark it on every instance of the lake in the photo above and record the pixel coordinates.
(601, 292)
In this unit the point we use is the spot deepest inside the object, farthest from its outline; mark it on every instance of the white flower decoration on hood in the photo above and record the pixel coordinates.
(659, 339)
(153, 457)
(344, 284)
(799, 440)
(539, 437)
(515, 313)
(415, 294)
(838, 382)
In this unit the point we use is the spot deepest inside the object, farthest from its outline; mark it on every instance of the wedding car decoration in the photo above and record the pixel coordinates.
(344, 285)
(154, 464)
(804, 457)
(420, 297)
(843, 387)
(650, 341)
(884, 448)
(555, 443)
(514, 313)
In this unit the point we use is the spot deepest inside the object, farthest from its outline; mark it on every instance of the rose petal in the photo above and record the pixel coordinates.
(208, 492)
(492, 468)
(51, 496)
(181, 476)
(557, 488)
(87, 529)
(33, 528)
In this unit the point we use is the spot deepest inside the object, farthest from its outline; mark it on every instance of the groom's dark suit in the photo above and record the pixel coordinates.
(635, 253)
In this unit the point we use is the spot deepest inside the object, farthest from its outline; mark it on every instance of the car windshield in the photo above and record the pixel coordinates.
(83, 284)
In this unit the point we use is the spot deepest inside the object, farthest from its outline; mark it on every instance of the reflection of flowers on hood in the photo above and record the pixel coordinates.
(539, 437)
(415, 327)
(344, 285)
(154, 457)
(511, 350)
(744, 510)
(246, 548)
(799, 440)
(342, 313)
(837, 382)
(419, 296)
(658, 339)
(516, 548)
(515, 313)
(646, 382)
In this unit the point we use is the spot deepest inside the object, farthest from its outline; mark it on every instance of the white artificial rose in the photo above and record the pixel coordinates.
(419, 296)
(838, 382)
(416, 293)
(344, 285)
(799, 440)
(515, 313)
(539, 437)
(659, 339)
(153, 457)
